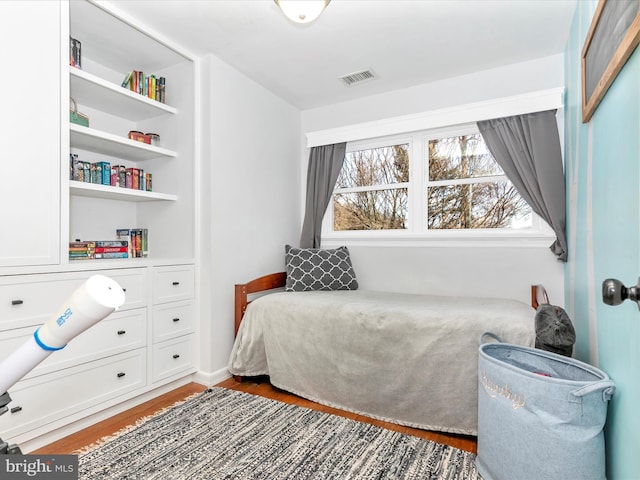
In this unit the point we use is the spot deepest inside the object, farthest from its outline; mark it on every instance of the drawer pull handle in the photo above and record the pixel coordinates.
(124, 289)
(176, 356)
(121, 374)
(121, 332)
(17, 302)
(16, 409)
(175, 283)
(176, 319)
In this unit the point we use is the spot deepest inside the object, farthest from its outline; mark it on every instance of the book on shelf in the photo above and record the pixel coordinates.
(150, 86)
(138, 239)
(136, 179)
(111, 243)
(111, 249)
(112, 255)
(75, 52)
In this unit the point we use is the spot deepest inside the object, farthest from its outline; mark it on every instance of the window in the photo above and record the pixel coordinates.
(372, 189)
(466, 188)
(426, 184)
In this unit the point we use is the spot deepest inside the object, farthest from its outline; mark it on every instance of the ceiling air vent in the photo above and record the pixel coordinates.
(357, 77)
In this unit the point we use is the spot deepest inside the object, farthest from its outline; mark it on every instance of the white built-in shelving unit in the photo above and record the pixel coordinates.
(111, 48)
(149, 346)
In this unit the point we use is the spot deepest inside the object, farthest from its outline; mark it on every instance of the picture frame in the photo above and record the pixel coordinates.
(612, 37)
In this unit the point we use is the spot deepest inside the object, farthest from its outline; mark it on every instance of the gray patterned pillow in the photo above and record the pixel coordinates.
(319, 269)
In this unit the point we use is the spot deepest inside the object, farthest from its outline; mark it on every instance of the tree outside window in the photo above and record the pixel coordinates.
(463, 188)
(468, 189)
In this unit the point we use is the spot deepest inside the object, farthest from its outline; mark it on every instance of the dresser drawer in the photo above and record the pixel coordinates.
(172, 319)
(119, 332)
(40, 400)
(134, 282)
(27, 300)
(32, 299)
(173, 283)
(173, 357)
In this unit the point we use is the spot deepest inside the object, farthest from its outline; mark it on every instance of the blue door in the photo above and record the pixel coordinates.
(602, 167)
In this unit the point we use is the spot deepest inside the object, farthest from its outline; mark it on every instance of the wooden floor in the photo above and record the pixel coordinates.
(107, 427)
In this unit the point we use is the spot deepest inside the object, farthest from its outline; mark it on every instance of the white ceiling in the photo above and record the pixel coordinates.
(404, 42)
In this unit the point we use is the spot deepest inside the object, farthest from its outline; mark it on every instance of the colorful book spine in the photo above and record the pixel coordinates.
(96, 173)
(74, 164)
(122, 176)
(161, 90)
(86, 176)
(105, 173)
(150, 86)
(126, 83)
(111, 243)
(133, 178)
(111, 249)
(75, 52)
(112, 255)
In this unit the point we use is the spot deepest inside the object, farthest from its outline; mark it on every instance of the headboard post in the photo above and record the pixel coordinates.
(538, 296)
(260, 284)
(240, 305)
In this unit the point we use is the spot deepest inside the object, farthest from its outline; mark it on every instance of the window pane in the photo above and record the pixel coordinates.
(372, 210)
(463, 156)
(375, 166)
(478, 205)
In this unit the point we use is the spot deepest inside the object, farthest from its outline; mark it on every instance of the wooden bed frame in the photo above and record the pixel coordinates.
(278, 280)
(257, 285)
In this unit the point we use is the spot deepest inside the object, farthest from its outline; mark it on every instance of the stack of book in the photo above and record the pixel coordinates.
(81, 250)
(98, 249)
(130, 243)
(148, 85)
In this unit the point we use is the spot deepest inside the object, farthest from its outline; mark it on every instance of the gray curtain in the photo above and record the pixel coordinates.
(325, 163)
(527, 147)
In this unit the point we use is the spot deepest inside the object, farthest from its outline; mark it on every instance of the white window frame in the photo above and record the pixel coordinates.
(417, 233)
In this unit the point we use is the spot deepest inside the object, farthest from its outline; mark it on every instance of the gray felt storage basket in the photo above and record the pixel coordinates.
(540, 415)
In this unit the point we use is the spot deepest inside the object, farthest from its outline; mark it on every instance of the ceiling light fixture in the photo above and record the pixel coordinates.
(302, 11)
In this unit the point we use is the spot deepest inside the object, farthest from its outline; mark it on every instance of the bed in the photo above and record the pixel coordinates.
(403, 358)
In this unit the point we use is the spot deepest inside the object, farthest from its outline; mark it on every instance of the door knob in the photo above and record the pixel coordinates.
(614, 292)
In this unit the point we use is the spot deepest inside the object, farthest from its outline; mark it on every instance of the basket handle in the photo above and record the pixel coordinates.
(607, 387)
(489, 334)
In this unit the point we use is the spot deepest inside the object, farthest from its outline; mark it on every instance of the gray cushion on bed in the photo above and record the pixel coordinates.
(319, 269)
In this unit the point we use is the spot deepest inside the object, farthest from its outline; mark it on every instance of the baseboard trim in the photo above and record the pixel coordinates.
(211, 378)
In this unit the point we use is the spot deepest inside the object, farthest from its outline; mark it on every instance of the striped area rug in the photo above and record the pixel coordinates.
(224, 434)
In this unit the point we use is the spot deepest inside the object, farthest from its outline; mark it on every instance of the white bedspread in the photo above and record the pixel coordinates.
(407, 359)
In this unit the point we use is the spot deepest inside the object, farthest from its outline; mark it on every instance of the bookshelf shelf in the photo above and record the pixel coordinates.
(108, 144)
(94, 190)
(95, 92)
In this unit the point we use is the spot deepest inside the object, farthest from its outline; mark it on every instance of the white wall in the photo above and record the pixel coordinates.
(500, 82)
(480, 270)
(250, 183)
